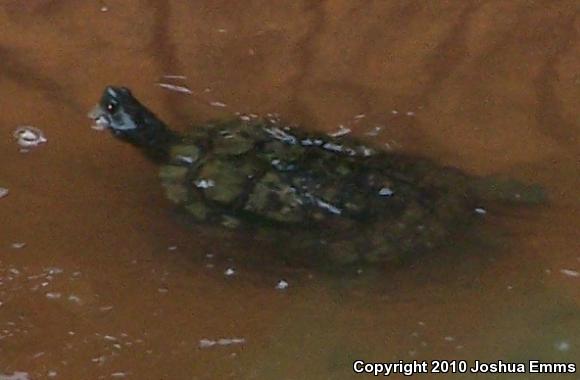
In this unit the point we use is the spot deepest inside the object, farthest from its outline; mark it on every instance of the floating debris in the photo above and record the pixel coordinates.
(410, 113)
(366, 151)
(170, 76)
(229, 272)
(282, 284)
(119, 374)
(342, 131)
(395, 112)
(386, 192)
(327, 206)
(205, 343)
(217, 104)
(570, 272)
(3, 192)
(204, 183)
(562, 346)
(53, 295)
(104, 8)
(74, 298)
(176, 88)
(359, 116)
(18, 245)
(54, 270)
(480, 211)
(375, 131)
(172, 248)
(28, 137)
(15, 376)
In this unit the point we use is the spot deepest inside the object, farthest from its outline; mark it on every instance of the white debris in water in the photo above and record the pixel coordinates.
(281, 135)
(28, 137)
(74, 298)
(222, 30)
(366, 151)
(562, 346)
(449, 338)
(172, 248)
(204, 183)
(386, 192)
(570, 272)
(282, 284)
(333, 147)
(375, 131)
(327, 206)
(119, 374)
(53, 295)
(205, 343)
(51, 373)
(15, 376)
(480, 211)
(104, 8)
(342, 131)
(18, 245)
(176, 88)
(99, 360)
(54, 270)
(3, 192)
(170, 76)
(217, 104)
(185, 159)
(229, 272)
(395, 112)
(359, 116)
(105, 308)
(410, 113)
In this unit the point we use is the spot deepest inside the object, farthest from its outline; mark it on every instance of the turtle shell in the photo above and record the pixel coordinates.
(321, 191)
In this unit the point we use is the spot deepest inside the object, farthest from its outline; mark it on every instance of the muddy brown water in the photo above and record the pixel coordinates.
(110, 284)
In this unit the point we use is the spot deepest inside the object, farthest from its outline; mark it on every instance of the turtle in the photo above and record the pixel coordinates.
(319, 198)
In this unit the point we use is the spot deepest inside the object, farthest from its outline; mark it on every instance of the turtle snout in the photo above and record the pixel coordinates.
(100, 118)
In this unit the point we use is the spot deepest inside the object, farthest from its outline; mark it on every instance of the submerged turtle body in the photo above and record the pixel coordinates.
(320, 196)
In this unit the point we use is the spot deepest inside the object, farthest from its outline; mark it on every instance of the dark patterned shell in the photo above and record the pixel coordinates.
(320, 191)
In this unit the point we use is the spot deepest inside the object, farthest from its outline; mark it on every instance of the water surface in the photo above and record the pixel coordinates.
(110, 284)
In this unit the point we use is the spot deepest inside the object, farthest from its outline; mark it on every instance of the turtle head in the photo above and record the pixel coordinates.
(118, 110)
(129, 120)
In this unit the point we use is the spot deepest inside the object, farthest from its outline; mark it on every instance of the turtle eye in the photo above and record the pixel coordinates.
(112, 107)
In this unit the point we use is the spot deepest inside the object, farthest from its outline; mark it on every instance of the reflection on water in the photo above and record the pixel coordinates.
(98, 279)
